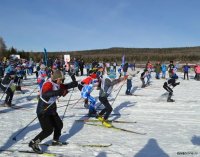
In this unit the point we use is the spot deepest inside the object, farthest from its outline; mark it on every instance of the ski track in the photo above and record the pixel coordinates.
(171, 128)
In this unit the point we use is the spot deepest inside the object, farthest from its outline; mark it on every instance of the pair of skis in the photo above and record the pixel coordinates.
(112, 127)
(47, 153)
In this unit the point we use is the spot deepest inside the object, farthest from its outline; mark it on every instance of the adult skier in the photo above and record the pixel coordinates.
(48, 117)
(107, 83)
(8, 87)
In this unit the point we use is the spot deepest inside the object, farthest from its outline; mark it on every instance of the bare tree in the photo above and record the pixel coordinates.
(2, 45)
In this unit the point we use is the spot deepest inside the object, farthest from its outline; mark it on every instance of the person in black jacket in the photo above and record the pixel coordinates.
(6, 85)
(171, 82)
(48, 117)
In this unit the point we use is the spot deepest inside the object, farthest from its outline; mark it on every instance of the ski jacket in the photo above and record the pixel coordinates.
(164, 68)
(170, 68)
(107, 86)
(131, 73)
(186, 68)
(197, 69)
(157, 68)
(48, 95)
(42, 75)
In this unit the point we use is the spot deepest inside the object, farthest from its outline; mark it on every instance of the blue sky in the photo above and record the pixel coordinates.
(70, 25)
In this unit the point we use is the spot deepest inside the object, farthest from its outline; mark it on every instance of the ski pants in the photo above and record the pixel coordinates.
(167, 88)
(129, 86)
(49, 124)
(107, 110)
(186, 74)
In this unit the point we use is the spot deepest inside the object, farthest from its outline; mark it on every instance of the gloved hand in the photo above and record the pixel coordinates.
(63, 90)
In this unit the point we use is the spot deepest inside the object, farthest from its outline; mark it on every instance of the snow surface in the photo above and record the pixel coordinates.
(173, 129)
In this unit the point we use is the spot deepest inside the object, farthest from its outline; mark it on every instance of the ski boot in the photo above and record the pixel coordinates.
(100, 118)
(58, 143)
(35, 146)
(107, 124)
(170, 100)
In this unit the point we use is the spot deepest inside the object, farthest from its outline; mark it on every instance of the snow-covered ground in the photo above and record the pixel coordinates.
(172, 129)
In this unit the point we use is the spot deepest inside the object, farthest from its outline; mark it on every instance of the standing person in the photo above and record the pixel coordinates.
(157, 70)
(171, 68)
(167, 84)
(197, 72)
(125, 68)
(6, 85)
(149, 68)
(81, 65)
(115, 66)
(107, 83)
(163, 69)
(48, 117)
(130, 73)
(186, 68)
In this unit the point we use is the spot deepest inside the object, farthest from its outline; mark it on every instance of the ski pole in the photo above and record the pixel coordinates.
(118, 92)
(31, 92)
(14, 138)
(67, 105)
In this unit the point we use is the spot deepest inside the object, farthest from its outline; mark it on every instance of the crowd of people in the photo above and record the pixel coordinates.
(101, 76)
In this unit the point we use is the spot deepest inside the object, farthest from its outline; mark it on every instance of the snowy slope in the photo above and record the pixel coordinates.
(172, 128)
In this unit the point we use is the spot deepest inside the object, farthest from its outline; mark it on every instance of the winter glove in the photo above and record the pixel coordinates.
(63, 90)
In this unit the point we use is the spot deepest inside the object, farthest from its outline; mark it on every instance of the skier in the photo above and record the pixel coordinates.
(131, 73)
(171, 82)
(7, 85)
(47, 110)
(143, 76)
(107, 83)
(19, 77)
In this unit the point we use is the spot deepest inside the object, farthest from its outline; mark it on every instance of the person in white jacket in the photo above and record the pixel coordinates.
(131, 73)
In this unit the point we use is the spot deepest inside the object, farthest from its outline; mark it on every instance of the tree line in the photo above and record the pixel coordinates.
(183, 54)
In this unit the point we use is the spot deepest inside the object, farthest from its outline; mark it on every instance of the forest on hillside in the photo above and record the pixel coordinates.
(140, 55)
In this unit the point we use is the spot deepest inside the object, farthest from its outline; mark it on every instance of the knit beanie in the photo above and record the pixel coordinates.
(57, 74)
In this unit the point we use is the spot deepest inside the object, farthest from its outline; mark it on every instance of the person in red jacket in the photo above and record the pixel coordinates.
(48, 117)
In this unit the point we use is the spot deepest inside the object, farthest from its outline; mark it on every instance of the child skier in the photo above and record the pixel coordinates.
(171, 82)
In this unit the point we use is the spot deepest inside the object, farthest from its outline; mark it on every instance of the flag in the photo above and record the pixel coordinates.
(123, 59)
(45, 57)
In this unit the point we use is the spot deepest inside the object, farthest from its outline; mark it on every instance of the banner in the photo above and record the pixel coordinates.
(45, 57)
(123, 59)
(67, 58)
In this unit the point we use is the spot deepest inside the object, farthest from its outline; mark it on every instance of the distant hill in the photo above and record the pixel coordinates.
(182, 54)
